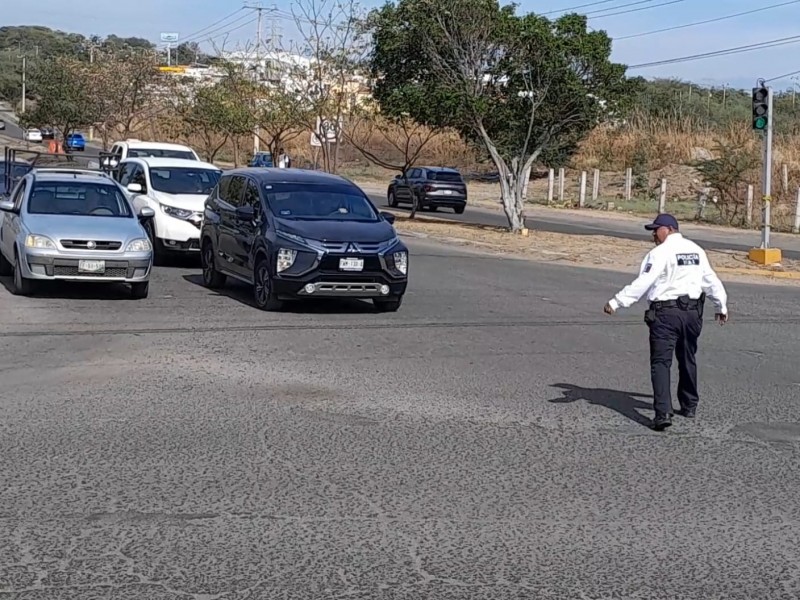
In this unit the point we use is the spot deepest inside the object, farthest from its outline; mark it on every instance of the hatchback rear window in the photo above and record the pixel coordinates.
(444, 176)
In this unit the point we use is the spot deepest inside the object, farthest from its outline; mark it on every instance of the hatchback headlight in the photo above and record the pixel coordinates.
(140, 245)
(401, 262)
(285, 258)
(39, 242)
(178, 213)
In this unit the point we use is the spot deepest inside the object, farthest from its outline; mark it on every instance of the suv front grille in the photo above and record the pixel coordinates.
(356, 247)
(84, 245)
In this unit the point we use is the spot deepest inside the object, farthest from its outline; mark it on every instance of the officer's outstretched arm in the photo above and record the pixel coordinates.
(652, 266)
(713, 287)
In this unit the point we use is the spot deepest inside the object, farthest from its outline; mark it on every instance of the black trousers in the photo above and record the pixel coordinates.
(674, 331)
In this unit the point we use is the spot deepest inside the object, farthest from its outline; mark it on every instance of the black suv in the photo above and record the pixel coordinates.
(434, 187)
(296, 234)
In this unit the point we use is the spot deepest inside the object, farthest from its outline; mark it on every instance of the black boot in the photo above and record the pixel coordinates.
(661, 422)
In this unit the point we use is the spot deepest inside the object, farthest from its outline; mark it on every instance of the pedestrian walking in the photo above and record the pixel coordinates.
(676, 277)
(284, 160)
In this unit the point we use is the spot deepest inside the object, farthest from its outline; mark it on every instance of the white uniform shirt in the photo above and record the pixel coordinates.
(678, 267)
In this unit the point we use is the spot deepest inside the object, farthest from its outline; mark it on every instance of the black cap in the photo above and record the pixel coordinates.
(663, 220)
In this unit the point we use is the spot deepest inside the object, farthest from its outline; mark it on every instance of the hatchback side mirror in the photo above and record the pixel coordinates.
(6, 206)
(388, 217)
(146, 213)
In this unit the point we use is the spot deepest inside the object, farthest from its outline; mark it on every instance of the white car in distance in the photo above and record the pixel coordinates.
(176, 189)
(133, 148)
(32, 135)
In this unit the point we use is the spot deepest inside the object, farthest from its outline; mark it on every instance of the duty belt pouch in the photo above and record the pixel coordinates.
(683, 302)
(701, 304)
(650, 316)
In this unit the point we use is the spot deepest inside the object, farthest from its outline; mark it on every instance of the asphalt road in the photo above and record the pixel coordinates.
(591, 224)
(488, 441)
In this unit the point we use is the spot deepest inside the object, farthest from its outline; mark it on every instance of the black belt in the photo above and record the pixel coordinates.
(674, 304)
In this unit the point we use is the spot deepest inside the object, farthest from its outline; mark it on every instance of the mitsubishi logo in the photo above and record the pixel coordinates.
(91, 245)
(352, 248)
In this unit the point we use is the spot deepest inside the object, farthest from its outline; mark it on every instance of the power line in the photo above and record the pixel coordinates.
(600, 10)
(625, 12)
(735, 50)
(784, 76)
(569, 8)
(199, 31)
(208, 33)
(714, 20)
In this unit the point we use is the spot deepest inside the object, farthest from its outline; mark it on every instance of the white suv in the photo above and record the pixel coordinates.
(176, 189)
(138, 149)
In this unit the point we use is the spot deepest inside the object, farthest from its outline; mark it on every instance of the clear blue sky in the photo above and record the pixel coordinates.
(147, 18)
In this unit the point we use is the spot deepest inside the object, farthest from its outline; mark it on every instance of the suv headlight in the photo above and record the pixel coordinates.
(39, 242)
(178, 213)
(140, 245)
(401, 262)
(285, 259)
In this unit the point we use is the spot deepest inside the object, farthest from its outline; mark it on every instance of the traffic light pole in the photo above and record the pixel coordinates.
(766, 179)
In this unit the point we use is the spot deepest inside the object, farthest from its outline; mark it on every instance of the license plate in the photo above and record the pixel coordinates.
(351, 264)
(91, 266)
(448, 192)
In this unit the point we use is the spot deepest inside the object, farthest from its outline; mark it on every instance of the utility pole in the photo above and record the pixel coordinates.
(257, 7)
(24, 80)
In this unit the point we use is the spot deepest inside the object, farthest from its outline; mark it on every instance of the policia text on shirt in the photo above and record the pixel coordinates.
(676, 276)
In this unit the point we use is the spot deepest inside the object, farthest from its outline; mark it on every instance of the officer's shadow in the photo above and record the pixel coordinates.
(625, 403)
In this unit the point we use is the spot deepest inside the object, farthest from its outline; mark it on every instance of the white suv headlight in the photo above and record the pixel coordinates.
(285, 259)
(39, 242)
(401, 262)
(178, 213)
(140, 245)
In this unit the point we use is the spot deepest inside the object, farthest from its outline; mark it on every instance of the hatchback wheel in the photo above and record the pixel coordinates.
(263, 293)
(140, 290)
(6, 268)
(22, 286)
(211, 277)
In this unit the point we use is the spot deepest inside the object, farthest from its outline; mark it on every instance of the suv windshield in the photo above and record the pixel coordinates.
(319, 202)
(160, 153)
(78, 198)
(184, 180)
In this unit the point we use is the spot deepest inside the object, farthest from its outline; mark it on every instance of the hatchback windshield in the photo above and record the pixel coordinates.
(181, 180)
(318, 202)
(160, 153)
(78, 198)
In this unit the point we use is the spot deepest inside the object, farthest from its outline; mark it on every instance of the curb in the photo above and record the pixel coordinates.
(760, 273)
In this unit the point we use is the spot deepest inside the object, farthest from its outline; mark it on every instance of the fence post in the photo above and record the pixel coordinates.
(582, 197)
(785, 176)
(596, 184)
(662, 198)
(628, 183)
(551, 181)
(796, 228)
(561, 184)
(748, 215)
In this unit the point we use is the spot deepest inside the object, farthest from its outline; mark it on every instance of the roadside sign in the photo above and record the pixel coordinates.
(169, 37)
(326, 131)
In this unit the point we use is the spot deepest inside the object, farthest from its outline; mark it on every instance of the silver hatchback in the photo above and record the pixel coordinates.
(73, 225)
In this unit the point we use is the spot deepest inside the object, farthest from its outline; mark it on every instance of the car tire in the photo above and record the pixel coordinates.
(459, 210)
(158, 248)
(140, 290)
(392, 200)
(388, 305)
(212, 278)
(6, 268)
(263, 294)
(21, 286)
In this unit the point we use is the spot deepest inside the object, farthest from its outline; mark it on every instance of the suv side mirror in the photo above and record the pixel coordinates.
(388, 217)
(135, 188)
(245, 213)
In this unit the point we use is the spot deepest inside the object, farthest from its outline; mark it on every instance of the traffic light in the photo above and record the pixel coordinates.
(761, 114)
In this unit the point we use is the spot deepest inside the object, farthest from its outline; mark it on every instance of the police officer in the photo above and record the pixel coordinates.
(676, 276)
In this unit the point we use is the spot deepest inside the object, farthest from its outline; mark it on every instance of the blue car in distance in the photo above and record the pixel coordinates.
(262, 159)
(75, 141)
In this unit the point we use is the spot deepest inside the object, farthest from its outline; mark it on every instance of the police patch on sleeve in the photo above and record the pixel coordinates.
(647, 268)
(688, 260)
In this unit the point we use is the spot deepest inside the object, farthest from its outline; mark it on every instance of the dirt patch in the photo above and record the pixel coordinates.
(586, 251)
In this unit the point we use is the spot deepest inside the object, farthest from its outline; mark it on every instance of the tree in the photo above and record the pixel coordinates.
(64, 97)
(125, 83)
(333, 42)
(406, 138)
(275, 117)
(520, 87)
